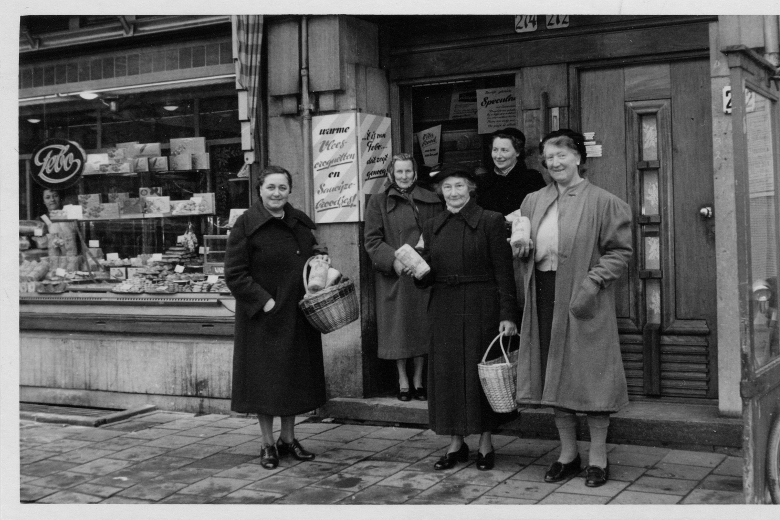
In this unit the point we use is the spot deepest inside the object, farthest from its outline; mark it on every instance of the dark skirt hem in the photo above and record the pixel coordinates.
(275, 412)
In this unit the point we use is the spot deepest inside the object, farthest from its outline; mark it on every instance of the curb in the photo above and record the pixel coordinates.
(77, 420)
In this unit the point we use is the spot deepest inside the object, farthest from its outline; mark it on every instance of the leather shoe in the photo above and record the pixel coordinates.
(486, 462)
(596, 476)
(269, 459)
(559, 471)
(420, 394)
(404, 395)
(450, 459)
(294, 448)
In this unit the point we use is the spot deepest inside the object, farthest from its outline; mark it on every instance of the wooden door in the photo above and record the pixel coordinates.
(654, 124)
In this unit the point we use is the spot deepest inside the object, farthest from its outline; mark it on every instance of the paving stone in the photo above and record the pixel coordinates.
(625, 473)
(214, 487)
(489, 500)
(426, 466)
(45, 467)
(319, 447)
(172, 441)
(370, 444)
(101, 466)
(638, 497)
(280, 484)
(196, 451)
(453, 492)
(124, 478)
(577, 485)
(228, 439)
(185, 499)
(315, 427)
(180, 424)
(162, 463)
(382, 495)
(375, 468)
(209, 417)
(235, 422)
(31, 493)
(522, 489)
(82, 455)
(722, 483)
(253, 448)
(130, 426)
(709, 496)
(153, 491)
(694, 458)
(149, 434)
(163, 417)
(121, 443)
(244, 471)
(317, 470)
(365, 429)
(116, 499)
(402, 453)
(341, 434)
(94, 489)
(96, 435)
(202, 432)
(393, 433)
(248, 496)
(252, 429)
(69, 497)
(414, 479)
(33, 455)
(284, 463)
(560, 498)
(641, 450)
(671, 486)
(548, 458)
(137, 453)
(483, 478)
(342, 456)
(313, 495)
(23, 479)
(636, 459)
(347, 482)
(220, 461)
(62, 480)
(732, 466)
(667, 470)
(64, 445)
(534, 473)
(429, 443)
(511, 463)
(186, 475)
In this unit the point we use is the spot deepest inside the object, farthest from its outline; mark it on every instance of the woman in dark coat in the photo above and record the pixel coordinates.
(277, 358)
(570, 358)
(473, 299)
(394, 218)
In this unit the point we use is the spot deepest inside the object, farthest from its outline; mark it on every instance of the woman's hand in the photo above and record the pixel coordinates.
(522, 248)
(269, 305)
(324, 258)
(507, 328)
(401, 269)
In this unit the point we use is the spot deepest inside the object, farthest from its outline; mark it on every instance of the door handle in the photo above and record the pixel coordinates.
(706, 212)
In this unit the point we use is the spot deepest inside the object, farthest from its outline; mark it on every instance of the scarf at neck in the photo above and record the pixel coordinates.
(505, 171)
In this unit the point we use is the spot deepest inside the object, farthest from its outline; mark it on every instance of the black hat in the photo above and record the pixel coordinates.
(513, 132)
(576, 137)
(452, 171)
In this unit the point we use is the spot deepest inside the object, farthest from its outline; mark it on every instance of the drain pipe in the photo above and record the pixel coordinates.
(306, 107)
(771, 47)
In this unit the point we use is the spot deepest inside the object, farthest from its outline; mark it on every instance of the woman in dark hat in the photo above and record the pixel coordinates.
(503, 188)
(580, 243)
(472, 299)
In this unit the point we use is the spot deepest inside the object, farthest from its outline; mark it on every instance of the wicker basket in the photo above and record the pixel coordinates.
(331, 308)
(499, 378)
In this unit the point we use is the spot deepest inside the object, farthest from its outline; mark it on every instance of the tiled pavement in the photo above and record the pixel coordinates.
(179, 458)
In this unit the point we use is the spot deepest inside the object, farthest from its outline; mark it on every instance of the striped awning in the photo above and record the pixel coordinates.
(247, 47)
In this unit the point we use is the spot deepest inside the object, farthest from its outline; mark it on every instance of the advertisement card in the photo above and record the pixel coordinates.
(496, 109)
(430, 144)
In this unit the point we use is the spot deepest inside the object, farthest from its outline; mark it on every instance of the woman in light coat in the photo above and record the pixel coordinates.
(569, 347)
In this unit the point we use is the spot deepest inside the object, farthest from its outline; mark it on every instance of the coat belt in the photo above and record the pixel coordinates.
(456, 279)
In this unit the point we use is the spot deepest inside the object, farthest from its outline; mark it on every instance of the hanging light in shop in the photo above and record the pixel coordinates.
(88, 95)
(170, 106)
(33, 120)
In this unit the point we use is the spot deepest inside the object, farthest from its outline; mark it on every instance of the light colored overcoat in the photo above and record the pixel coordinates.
(584, 368)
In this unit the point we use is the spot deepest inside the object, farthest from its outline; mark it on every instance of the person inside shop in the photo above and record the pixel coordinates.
(504, 187)
(61, 237)
(580, 243)
(472, 300)
(394, 217)
(278, 365)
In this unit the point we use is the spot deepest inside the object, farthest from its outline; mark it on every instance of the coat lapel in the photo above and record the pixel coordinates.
(570, 208)
(257, 216)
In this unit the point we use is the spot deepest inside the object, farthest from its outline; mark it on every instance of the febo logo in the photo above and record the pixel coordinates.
(57, 163)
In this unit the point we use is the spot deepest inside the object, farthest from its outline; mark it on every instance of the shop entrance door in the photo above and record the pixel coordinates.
(654, 124)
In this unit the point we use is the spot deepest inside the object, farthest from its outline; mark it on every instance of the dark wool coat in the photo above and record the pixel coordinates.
(277, 358)
(504, 194)
(465, 317)
(401, 308)
(584, 367)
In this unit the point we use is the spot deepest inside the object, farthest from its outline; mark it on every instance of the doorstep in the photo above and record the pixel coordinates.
(78, 416)
(687, 426)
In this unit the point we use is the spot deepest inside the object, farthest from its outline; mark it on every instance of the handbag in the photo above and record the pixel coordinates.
(499, 378)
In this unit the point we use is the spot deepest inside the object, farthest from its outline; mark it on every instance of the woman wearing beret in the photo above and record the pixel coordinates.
(570, 359)
(278, 366)
(472, 300)
(394, 218)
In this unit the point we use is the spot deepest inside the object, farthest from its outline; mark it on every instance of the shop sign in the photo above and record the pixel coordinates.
(430, 141)
(57, 164)
(496, 109)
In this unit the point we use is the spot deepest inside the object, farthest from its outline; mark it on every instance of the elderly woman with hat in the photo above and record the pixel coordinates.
(394, 217)
(580, 243)
(504, 188)
(472, 300)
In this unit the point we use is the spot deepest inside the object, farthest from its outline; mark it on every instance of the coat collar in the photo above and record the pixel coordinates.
(471, 213)
(257, 216)
(418, 194)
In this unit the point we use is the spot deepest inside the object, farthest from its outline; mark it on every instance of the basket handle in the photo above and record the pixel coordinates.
(305, 281)
(500, 339)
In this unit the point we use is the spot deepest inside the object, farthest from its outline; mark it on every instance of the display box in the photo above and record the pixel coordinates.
(141, 164)
(133, 150)
(116, 154)
(200, 161)
(117, 273)
(181, 162)
(58, 214)
(188, 146)
(131, 208)
(158, 164)
(73, 212)
(89, 200)
(154, 191)
(199, 204)
(117, 196)
(133, 271)
(104, 211)
(208, 202)
(94, 160)
(125, 166)
(234, 214)
(157, 206)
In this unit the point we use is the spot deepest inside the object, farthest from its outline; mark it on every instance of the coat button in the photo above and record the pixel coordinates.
(298, 253)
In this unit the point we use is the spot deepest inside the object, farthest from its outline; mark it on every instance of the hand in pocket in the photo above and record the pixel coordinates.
(583, 307)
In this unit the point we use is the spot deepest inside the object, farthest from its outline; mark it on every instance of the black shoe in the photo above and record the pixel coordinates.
(450, 459)
(486, 462)
(420, 394)
(269, 459)
(559, 471)
(404, 395)
(294, 448)
(596, 476)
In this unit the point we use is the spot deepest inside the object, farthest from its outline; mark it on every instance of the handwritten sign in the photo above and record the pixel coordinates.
(430, 141)
(496, 109)
(334, 142)
(375, 152)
